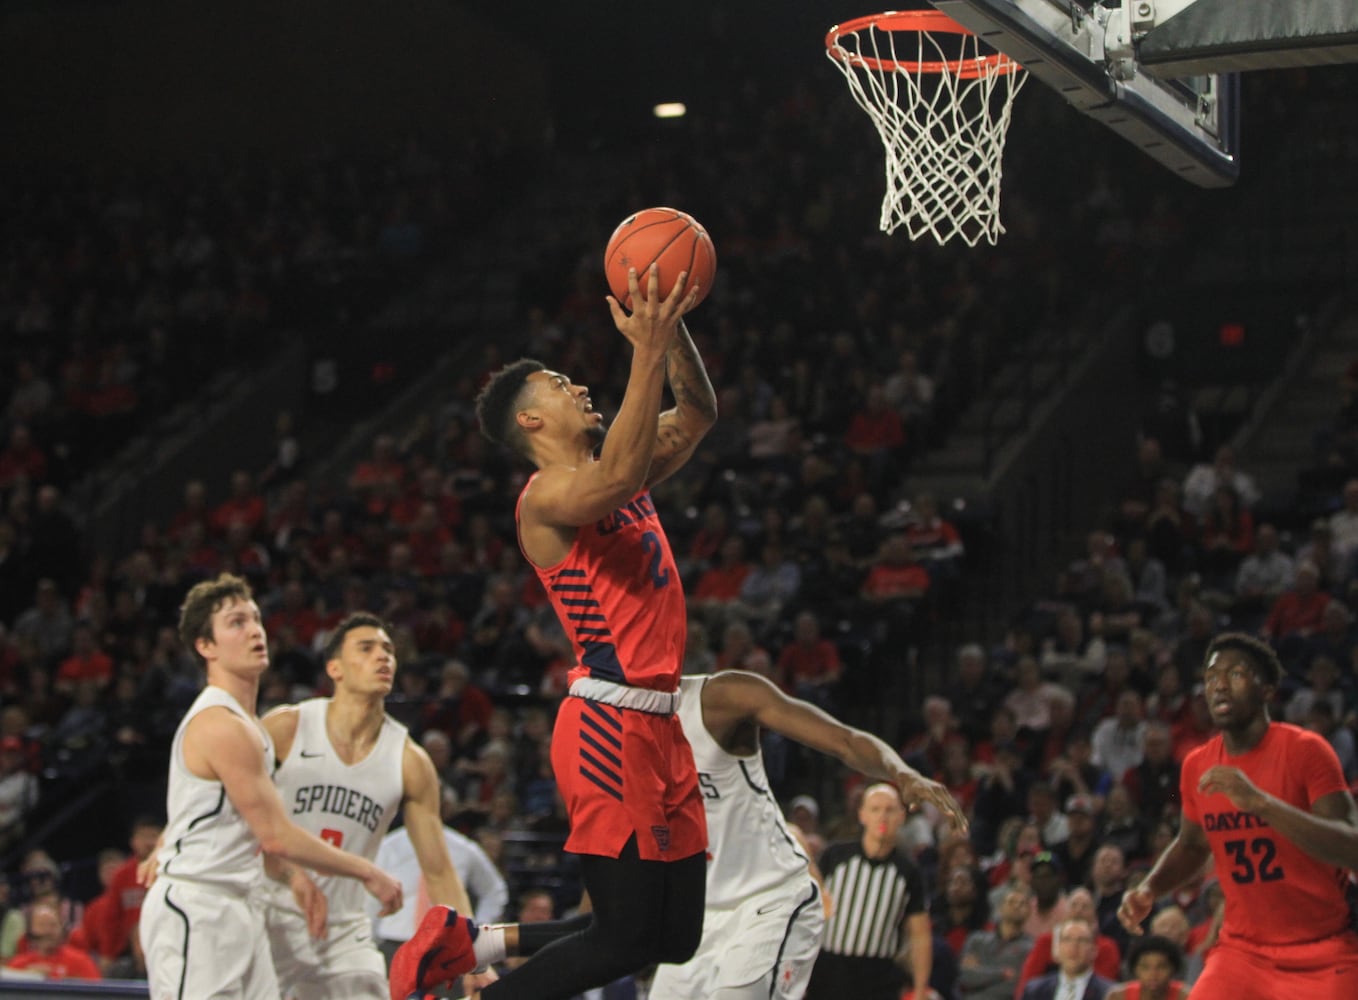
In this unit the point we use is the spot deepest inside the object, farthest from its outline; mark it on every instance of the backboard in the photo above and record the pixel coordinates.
(1162, 73)
(1087, 52)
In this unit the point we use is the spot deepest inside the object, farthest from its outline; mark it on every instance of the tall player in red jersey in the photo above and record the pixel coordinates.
(1268, 803)
(586, 522)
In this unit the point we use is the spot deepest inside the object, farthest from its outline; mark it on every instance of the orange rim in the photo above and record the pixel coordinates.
(923, 22)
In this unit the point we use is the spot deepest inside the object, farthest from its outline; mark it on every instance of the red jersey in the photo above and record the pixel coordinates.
(619, 598)
(1276, 893)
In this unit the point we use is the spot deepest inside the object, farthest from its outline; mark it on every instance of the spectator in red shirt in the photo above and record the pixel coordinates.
(295, 610)
(428, 535)
(809, 666)
(1299, 610)
(100, 931)
(459, 708)
(432, 489)
(243, 506)
(934, 539)
(894, 587)
(194, 511)
(48, 952)
(385, 466)
(718, 588)
(87, 662)
(121, 904)
(876, 428)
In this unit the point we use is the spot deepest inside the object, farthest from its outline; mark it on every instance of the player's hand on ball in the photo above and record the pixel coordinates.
(1136, 907)
(653, 322)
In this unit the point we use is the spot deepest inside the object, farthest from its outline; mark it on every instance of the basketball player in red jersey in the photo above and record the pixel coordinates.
(1268, 802)
(586, 522)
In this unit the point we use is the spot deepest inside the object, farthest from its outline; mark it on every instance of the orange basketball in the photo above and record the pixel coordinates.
(673, 239)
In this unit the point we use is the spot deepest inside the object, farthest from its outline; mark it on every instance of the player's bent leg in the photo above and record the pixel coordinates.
(633, 909)
(681, 929)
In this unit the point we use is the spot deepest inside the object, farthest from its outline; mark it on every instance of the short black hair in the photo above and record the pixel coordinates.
(496, 404)
(1155, 943)
(1260, 654)
(359, 619)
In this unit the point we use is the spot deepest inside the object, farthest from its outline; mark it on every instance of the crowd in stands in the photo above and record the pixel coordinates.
(808, 554)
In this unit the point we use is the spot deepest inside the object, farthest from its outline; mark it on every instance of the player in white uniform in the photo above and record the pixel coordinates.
(201, 931)
(764, 915)
(346, 768)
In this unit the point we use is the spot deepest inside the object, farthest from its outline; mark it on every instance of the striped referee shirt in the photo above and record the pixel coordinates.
(872, 900)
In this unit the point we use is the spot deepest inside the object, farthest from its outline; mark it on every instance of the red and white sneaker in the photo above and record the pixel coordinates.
(439, 951)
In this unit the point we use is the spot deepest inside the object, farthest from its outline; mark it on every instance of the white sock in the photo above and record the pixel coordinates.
(489, 946)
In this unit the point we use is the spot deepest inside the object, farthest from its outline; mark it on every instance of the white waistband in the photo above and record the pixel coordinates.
(622, 696)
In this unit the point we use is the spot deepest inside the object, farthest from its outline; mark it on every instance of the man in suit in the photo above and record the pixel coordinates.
(1076, 979)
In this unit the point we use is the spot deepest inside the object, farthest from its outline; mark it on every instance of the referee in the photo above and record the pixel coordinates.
(880, 927)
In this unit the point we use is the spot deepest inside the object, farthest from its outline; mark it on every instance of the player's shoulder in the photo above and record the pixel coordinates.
(397, 728)
(1203, 756)
(1290, 734)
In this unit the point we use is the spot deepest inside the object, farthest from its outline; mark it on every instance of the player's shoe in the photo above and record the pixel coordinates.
(439, 951)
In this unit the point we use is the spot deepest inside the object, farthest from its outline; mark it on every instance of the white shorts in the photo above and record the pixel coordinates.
(201, 944)
(764, 948)
(344, 965)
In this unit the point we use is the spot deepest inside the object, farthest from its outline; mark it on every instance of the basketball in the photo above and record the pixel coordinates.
(671, 238)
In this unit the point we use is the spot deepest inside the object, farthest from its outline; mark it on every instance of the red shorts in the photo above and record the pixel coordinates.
(1320, 970)
(623, 772)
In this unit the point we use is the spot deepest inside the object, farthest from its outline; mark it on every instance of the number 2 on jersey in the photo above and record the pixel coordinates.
(650, 544)
(334, 838)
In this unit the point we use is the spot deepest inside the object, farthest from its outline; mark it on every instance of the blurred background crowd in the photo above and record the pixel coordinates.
(817, 540)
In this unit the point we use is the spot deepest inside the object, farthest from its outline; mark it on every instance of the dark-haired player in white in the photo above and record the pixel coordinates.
(764, 916)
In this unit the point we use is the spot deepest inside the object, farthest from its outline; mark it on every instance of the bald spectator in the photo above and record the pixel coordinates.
(1299, 610)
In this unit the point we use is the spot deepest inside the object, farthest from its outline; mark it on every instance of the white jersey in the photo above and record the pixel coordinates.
(750, 848)
(207, 842)
(347, 805)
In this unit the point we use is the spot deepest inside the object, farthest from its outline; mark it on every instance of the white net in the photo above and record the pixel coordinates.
(942, 108)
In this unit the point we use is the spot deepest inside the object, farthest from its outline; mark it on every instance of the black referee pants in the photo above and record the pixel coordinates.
(839, 977)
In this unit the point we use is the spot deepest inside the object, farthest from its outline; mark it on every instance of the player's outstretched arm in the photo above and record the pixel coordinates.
(1181, 861)
(734, 696)
(569, 497)
(694, 413)
(1329, 832)
(221, 746)
(424, 823)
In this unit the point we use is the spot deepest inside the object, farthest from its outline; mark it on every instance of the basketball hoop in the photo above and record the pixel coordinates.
(942, 108)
